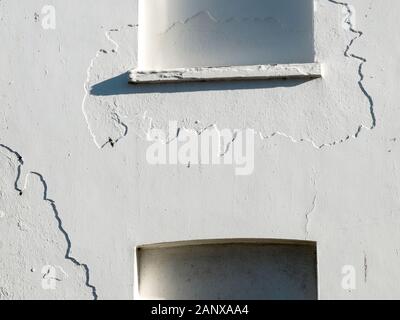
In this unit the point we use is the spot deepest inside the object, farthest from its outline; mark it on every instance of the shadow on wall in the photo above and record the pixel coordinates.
(119, 86)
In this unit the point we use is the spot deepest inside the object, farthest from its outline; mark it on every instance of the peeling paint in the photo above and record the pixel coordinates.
(122, 127)
(87, 91)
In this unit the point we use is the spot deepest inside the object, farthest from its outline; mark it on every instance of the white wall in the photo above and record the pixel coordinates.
(320, 173)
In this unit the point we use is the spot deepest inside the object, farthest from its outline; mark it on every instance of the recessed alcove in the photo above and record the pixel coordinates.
(200, 40)
(228, 269)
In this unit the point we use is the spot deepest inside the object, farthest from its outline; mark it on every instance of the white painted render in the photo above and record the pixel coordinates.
(78, 194)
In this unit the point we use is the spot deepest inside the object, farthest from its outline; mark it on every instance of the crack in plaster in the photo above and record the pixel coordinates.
(311, 210)
(365, 268)
(56, 214)
(46, 276)
(19, 168)
(223, 152)
(362, 60)
(117, 121)
(67, 238)
(308, 216)
(199, 132)
(209, 16)
(229, 144)
(86, 89)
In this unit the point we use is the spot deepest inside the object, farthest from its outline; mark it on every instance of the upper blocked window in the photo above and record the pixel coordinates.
(222, 33)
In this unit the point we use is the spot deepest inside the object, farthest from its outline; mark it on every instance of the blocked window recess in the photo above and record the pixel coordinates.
(204, 40)
(228, 270)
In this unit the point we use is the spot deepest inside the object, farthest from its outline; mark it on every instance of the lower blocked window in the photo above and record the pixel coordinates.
(229, 270)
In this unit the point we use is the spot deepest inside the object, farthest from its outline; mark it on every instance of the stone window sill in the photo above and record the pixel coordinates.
(256, 72)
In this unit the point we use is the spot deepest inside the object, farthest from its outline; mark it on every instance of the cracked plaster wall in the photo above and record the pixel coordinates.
(320, 174)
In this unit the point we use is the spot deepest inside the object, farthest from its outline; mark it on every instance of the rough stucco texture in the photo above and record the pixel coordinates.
(326, 152)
